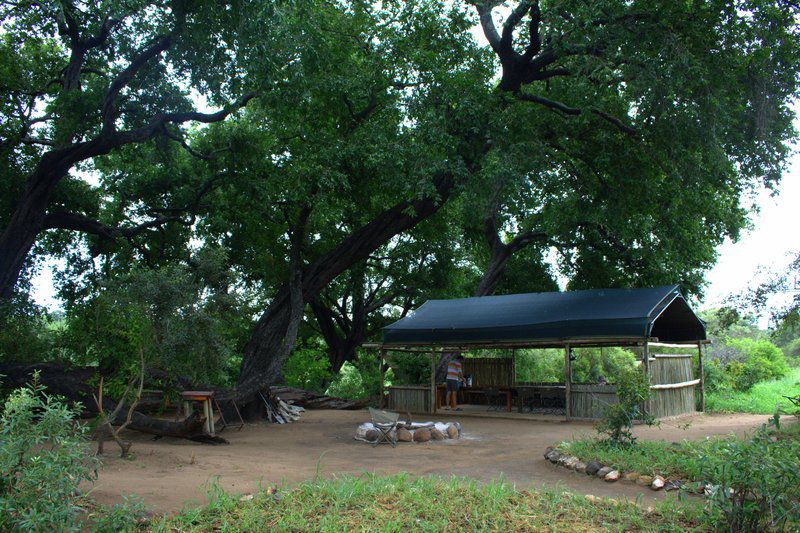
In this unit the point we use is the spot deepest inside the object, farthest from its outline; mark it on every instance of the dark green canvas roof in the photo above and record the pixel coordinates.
(630, 314)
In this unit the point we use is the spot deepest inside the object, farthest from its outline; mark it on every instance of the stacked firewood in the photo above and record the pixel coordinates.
(278, 411)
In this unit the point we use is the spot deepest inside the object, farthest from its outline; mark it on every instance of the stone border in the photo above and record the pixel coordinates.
(609, 474)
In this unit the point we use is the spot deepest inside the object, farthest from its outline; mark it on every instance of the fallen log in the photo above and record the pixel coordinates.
(313, 400)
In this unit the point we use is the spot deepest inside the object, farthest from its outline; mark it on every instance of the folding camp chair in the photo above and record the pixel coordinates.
(386, 424)
(495, 400)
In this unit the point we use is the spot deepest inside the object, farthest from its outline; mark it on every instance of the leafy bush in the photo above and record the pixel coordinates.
(757, 481)
(43, 458)
(359, 378)
(633, 390)
(308, 367)
(121, 517)
(762, 361)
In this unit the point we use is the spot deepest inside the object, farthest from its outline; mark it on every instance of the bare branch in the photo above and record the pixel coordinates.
(552, 104)
(124, 78)
(624, 128)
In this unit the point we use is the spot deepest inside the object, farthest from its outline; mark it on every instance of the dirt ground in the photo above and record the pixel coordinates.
(171, 473)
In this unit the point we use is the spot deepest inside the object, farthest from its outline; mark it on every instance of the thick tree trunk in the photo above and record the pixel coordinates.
(264, 354)
(27, 221)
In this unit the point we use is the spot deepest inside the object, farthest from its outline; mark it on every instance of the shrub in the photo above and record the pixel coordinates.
(308, 368)
(757, 482)
(633, 390)
(761, 361)
(43, 458)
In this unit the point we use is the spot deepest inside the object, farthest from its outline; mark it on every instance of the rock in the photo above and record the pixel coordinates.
(567, 461)
(422, 435)
(458, 428)
(548, 450)
(631, 476)
(592, 498)
(612, 476)
(673, 484)
(644, 481)
(603, 471)
(371, 435)
(553, 456)
(580, 467)
(452, 431)
(658, 483)
(437, 435)
(404, 435)
(592, 467)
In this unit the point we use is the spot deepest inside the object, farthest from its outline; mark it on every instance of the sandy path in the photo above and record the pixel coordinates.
(169, 473)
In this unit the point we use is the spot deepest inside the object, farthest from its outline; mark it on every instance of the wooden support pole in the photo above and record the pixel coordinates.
(434, 399)
(646, 365)
(382, 363)
(568, 382)
(702, 376)
(513, 366)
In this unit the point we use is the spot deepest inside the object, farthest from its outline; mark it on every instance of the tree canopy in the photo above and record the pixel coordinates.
(366, 156)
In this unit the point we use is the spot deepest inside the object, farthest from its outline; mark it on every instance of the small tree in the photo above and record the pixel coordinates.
(633, 392)
(107, 420)
(44, 457)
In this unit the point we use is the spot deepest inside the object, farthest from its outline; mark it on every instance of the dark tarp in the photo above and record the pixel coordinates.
(631, 314)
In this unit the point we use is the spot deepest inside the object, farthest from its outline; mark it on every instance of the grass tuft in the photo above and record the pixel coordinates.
(428, 503)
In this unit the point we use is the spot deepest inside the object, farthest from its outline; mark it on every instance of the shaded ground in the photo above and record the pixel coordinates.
(169, 473)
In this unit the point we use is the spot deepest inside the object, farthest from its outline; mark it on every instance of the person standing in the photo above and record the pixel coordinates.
(455, 377)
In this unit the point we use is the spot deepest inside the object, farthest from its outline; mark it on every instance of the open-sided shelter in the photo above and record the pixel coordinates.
(589, 318)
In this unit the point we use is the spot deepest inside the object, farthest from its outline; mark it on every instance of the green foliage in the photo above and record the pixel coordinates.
(44, 457)
(633, 391)
(120, 517)
(756, 482)
(589, 366)
(404, 502)
(358, 379)
(762, 361)
(762, 398)
(175, 314)
(308, 368)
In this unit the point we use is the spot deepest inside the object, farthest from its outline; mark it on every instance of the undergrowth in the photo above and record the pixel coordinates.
(399, 502)
(762, 398)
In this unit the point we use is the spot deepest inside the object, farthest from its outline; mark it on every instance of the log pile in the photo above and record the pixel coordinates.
(278, 411)
(313, 400)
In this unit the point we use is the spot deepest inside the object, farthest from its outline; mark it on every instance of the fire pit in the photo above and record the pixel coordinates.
(413, 431)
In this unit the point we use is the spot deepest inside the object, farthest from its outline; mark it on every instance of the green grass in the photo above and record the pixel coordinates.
(403, 502)
(680, 460)
(761, 399)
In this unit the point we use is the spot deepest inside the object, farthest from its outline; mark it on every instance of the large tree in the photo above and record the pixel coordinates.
(620, 135)
(84, 79)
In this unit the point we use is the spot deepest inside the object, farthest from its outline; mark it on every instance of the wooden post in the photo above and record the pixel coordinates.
(702, 377)
(568, 382)
(434, 399)
(646, 365)
(513, 366)
(382, 367)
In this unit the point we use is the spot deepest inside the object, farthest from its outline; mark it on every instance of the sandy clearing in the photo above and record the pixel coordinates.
(171, 473)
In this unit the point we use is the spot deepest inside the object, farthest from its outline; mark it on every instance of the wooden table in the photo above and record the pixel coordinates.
(442, 390)
(205, 397)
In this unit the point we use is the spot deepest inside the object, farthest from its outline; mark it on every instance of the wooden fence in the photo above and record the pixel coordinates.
(672, 385)
(671, 376)
(490, 371)
(591, 400)
(410, 398)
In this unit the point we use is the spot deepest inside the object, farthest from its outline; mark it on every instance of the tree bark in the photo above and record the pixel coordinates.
(264, 354)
